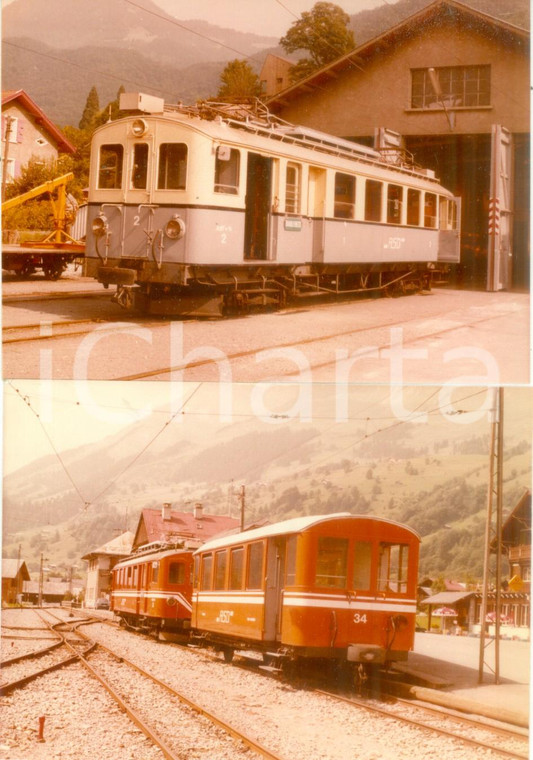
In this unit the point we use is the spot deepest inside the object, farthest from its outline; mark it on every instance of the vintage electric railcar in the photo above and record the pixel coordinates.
(339, 586)
(216, 209)
(152, 589)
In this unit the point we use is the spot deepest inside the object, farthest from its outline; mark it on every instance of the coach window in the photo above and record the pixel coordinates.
(110, 172)
(331, 562)
(196, 571)
(344, 206)
(362, 565)
(430, 210)
(291, 561)
(236, 567)
(176, 572)
(413, 207)
(373, 200)
(254, 577)
(207, 566)
(447, 214)
(139, 172)
(393, 565)
(394, 204)
(155, 572)
(135, 576)
(292, 188)
(227, 165)
(221, 561)
(128, 581)
(172, 170)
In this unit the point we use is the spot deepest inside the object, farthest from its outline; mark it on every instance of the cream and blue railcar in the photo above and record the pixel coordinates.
(216, 209)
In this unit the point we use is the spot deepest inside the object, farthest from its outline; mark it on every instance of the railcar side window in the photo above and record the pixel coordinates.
(196, 571)
(394, 204)
(172, 170)
(448, 214)
(291, 561)
(362, 565)
(207, 566)
(344, 205)
(139, 172)
(227, 164)
(393, 565)
(176, 572)
(331, 562)
(236, 567)
(221, 559)
(110, 172)
(430, 210)
(292, 189)
(155, 572)
(413, 207)
(373, 200)
(254, 578)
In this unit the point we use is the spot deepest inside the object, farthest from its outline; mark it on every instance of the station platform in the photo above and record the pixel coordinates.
(448, 667)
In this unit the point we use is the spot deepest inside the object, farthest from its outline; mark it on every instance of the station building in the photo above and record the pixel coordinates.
(450, 86)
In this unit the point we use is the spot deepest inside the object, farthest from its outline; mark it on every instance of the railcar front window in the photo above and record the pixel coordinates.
(172, 172)
(176, 572)
(413, 207)
(221, 559)
(430, 210)
(255, 566)
(393, 567)
(207, 566)
(139, 173)
(394, 204)
(110, 172)
(227, 165)
(362, 565)
(331, 562)
(236, 568)
(344, 205)
(373, 200)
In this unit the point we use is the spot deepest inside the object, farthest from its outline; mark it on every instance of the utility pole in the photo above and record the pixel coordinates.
(493, 538)
(41, 578)
(7, 136)
(241, 498)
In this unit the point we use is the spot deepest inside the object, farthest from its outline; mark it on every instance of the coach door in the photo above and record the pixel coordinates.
(274, 588)
(317, 211)
(257, 214)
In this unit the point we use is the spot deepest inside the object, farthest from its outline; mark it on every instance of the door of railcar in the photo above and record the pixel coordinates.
(275, 580)
(450, 231)
(257, 214)
(317, 210)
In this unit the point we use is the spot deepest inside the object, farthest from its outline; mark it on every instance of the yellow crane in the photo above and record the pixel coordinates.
(59, 238)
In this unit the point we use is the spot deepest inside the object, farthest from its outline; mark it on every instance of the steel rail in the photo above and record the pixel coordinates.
(233, 732)
(426, 726)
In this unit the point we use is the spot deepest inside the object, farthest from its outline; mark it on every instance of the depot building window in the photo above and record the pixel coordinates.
(457, 87)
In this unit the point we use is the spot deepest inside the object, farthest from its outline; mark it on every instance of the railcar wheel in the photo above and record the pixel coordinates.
(25, 271)
(52, 270)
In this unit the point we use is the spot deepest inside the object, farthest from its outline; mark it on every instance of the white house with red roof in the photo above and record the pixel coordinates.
(194, 528)
(27, 133)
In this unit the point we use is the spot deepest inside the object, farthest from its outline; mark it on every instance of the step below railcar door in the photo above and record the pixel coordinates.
(257, 213)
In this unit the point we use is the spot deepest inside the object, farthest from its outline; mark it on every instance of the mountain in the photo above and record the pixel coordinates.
(433, 476)
(57, 50)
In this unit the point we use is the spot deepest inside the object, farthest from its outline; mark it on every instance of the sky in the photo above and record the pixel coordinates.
(266, 17)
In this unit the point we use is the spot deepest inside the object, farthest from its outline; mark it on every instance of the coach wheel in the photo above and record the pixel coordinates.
(228, 654)
(52, 270)
(26, 270)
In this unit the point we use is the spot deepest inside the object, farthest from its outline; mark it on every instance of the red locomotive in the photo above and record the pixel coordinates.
(338, 586)
(152, 589)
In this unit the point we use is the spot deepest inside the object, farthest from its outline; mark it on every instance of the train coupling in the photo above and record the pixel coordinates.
(369, 653)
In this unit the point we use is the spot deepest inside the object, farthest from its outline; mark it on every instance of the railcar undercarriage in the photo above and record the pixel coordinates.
(215, 292)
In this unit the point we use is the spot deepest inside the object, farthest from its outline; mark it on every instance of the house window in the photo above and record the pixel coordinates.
(460, 87)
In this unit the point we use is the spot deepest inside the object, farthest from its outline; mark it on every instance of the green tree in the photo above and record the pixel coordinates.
(323, 32)
(91, 110)
(238, 82)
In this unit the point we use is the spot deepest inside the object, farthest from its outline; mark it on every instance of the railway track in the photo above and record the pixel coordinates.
(143, 697)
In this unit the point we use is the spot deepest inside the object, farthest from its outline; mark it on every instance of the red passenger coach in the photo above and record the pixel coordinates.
(152, 589)
(335, 586)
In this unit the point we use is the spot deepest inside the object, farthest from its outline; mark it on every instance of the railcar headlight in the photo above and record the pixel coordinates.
(99, 226)
(175, 228)
(139, 127)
